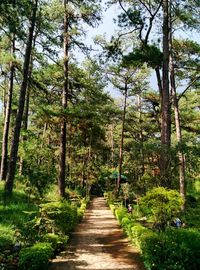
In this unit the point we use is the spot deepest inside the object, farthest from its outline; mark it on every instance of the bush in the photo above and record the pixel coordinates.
(174, 249)
(82, 208)
(6, 238)
(57, 241)
(161, 205)
(35, 257)
(58, 217)
(137, 233)
(120, 213)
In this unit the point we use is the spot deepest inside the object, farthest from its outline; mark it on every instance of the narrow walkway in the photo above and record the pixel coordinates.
(98, 244)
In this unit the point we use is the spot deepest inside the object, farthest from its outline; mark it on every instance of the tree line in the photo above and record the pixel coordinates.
(59, 123)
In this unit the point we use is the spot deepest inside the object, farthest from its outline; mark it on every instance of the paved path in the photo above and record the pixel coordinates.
(98, 244)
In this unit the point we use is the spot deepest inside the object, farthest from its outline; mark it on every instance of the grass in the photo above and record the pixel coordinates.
(15, 213)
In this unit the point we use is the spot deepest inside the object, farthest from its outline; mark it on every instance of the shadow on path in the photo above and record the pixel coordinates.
(98, 244)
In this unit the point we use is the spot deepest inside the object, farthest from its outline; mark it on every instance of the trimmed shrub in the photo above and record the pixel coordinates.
(137, 233)
(120, 213)
(173, 249)
(35, 257)
(82, 208)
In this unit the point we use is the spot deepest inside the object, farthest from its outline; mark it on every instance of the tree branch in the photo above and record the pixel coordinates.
(191, 83)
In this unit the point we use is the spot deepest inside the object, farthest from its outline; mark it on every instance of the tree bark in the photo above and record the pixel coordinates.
(4, 153)
(122, 137)
(18, 122)
(27, 101)
(181, 156)
(63, 134)
(165, 103)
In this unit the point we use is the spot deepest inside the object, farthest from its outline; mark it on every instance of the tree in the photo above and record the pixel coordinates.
(16, 135)
(165, 103)
(4, 155)
(65, 93)
(130, 82)
(161, 204)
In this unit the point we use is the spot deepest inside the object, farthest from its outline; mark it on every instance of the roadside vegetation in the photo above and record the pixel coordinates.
(151, 226)
(32, 230)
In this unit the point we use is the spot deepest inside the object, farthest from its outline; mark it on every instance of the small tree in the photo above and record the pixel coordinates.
(161, 204)
(125, 192)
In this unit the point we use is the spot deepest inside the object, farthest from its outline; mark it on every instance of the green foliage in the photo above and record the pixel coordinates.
(35, 257)
(133, 18)
(6, 238)
(82, 208)
(59, 217)
(38, 170)
(174, 249)
(138, 232)
(120, 213)
(161, 205)
(149, 54)
(57, 241)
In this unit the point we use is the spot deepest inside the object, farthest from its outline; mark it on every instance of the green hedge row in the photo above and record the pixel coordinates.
(174, 249)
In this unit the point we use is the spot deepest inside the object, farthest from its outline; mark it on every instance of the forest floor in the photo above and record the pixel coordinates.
(98, 243)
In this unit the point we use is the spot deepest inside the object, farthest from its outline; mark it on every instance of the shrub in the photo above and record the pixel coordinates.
(120, 213)
(161, 205)
(137, 233)
(35, 257)
(57, 241)
(173, 249)
(58, 217)
(6, 238)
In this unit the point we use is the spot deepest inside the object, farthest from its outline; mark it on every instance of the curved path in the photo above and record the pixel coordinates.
(98, 244)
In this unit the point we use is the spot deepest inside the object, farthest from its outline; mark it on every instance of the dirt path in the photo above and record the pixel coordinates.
(98, 243)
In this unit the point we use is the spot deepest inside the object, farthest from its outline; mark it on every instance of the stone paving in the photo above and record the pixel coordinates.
(98, 244)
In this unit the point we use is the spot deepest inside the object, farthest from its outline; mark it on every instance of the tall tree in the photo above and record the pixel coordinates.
(65, 93)
(18, 122)
(4, 155)
(165, 102)
(130, 81)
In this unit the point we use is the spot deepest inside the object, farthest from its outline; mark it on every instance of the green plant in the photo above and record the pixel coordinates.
(6, 238)
(120, 212)
(137, 234)
(57, 241)
(58, 217)
(35, 257)
(161, 204)
(173, 249)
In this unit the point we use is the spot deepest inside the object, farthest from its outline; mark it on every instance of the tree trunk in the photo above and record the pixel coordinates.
(165, 103)
(7, 111)
(122, 137)
(4, 155)
(141, 139)
(179, 137)
(26, 111)
(18, 122)
(159, 81)
(62, 167)
(181, 156)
